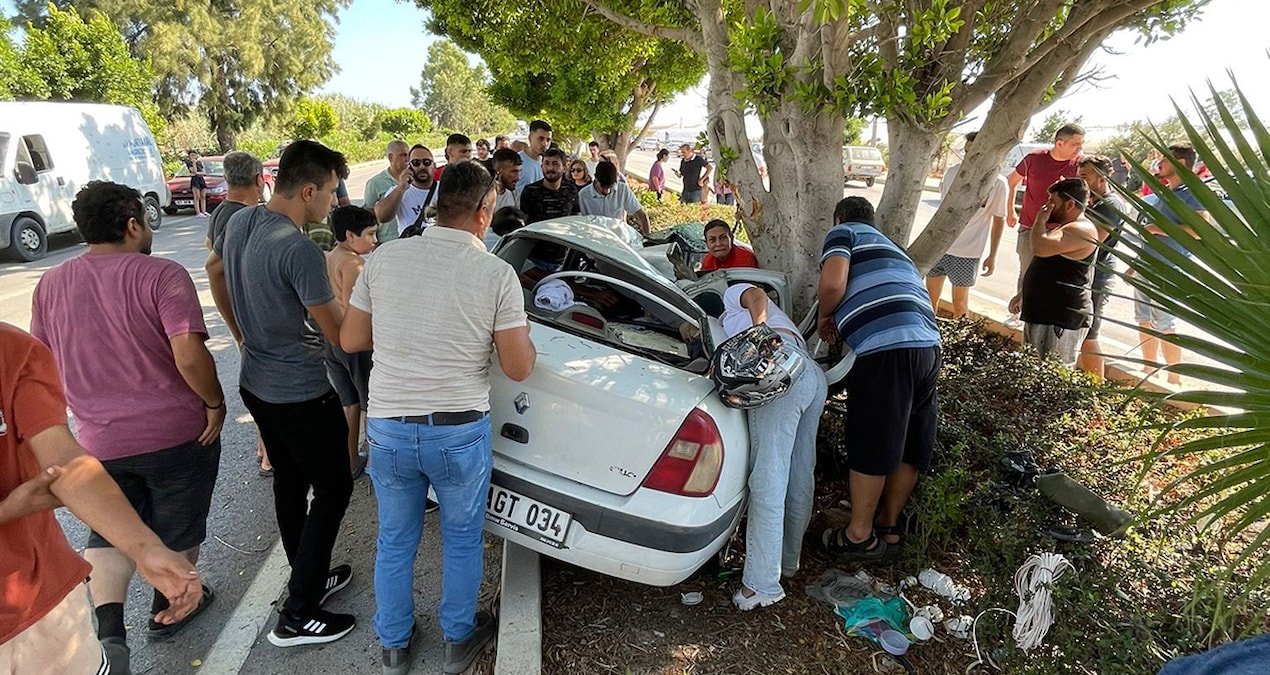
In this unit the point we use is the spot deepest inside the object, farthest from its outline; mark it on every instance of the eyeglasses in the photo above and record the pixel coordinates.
(420, 162)
(576, 171)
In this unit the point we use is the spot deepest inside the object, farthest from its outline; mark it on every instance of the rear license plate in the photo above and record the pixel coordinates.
(521, 514)
(185, 202)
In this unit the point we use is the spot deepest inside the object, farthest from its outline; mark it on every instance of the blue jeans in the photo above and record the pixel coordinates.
(456, 460)
(782, 481)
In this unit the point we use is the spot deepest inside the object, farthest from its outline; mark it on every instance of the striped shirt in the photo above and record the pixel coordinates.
(886, 305)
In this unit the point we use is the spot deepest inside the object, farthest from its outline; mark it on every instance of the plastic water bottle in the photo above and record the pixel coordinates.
(943, 585)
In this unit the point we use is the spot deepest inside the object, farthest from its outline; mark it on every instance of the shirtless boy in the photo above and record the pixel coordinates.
(356, 231)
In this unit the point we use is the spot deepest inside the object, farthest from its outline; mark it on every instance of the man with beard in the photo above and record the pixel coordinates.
(506, 175)
(415, 187)
(1055, 300)
(532, 154)
(1105, 210)
(551, 197)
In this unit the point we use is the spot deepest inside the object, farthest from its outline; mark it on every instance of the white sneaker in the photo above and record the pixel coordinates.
(745, 604)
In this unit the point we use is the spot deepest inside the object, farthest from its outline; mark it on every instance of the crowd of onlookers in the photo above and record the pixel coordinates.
(401, 340)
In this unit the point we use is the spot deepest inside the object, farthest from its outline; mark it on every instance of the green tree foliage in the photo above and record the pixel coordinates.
(313, 118)
(404, 122)
(70, 59)
(569, 65)
(15, 76)
(233, 62)
(853, 130)
(804, 67)
(1053, 122)
(453, 94)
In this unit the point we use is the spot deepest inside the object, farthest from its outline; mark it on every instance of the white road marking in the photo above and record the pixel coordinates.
(253, 614)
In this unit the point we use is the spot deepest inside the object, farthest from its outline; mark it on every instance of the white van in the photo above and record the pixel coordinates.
(49, 150)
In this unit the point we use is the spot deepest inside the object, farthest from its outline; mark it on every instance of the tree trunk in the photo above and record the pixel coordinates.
(790, 233)
(226, 138)
(912, 151)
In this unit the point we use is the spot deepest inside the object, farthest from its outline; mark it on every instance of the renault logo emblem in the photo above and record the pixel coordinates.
(522, 403)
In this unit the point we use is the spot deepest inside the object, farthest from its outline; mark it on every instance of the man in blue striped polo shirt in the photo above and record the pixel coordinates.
(873, 299)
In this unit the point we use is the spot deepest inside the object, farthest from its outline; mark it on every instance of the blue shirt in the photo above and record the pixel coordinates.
(886, 305)
(530, 171)
(1183, 193)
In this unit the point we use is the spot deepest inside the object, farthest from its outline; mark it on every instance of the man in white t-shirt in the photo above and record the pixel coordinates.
(605, 196)
(961, 263)
(429, 423)
(506, 176)
(413, 193)
(783, 446)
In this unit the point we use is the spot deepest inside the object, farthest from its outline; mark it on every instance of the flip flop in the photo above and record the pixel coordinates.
(163, 631)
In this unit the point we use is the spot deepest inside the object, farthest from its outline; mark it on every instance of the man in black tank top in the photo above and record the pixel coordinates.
(1055, 300)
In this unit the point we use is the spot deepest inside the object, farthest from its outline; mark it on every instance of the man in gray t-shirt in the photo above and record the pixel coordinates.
(274, 272)
(269, 282)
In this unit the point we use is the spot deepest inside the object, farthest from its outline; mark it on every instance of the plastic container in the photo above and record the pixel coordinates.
(893, 642)
(921, 628)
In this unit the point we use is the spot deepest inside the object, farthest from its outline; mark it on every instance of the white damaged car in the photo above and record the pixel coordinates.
(617, 454)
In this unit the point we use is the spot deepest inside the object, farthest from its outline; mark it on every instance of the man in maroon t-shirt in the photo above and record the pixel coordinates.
(1042, 169)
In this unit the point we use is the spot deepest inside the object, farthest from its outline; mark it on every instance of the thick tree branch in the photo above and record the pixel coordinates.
(690, 37)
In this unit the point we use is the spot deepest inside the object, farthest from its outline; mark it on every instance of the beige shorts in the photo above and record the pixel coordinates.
(61, 643)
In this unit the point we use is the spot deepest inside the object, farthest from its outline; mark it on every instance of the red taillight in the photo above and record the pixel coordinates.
(692, 461)
(849, 167)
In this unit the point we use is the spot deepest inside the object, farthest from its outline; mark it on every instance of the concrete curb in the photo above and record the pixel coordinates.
(520, 613)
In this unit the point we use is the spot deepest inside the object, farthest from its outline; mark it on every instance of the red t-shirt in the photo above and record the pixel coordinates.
(739, 257)
(1041, 171)
(38, 568)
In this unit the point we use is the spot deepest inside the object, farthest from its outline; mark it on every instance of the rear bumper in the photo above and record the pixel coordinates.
(619, 543)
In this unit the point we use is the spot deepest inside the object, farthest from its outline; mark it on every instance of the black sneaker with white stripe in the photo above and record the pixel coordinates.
(336, 580)
(319, 628)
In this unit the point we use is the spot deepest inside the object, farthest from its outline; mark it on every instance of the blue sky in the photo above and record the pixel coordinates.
(374, 34)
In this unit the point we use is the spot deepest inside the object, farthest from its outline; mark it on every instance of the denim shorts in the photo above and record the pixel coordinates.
(1147, 312)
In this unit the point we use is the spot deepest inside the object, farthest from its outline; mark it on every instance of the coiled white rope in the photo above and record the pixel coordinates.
(1032, 583)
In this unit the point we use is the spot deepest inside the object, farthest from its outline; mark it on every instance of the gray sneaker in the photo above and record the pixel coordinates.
(397, 659)
(460, 655)
(117, 655)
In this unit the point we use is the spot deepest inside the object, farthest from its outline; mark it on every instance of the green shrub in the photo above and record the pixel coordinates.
(403, 122)
(313, 119)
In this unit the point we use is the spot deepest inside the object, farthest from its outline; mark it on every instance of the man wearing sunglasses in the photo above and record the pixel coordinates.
(414, 191)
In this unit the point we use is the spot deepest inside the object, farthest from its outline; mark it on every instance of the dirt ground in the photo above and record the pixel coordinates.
(597, 624)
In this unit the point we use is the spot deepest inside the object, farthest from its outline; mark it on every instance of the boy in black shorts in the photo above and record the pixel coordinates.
(356, 231)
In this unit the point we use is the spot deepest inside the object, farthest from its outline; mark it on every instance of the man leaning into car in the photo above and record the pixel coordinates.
(429, 408)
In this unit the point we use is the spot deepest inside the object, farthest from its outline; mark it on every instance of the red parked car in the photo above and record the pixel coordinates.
(183, 197)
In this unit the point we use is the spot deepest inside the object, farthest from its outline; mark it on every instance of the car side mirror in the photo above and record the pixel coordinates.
(25, 173)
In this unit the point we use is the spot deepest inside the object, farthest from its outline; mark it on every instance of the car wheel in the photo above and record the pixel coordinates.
(266, 192)
(153, 212)
(171, 210)
(868, 182)
(27, 239)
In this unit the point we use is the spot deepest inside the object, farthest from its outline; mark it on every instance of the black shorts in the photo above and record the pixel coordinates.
(1102, 293)
(892, 410)
(171, 491)
(349, 375)
(198, 183)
